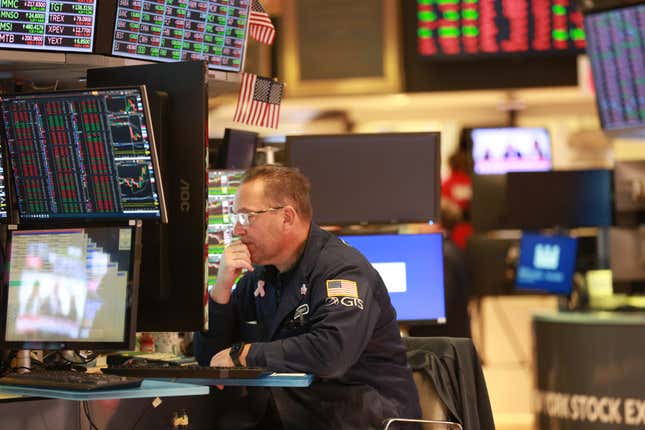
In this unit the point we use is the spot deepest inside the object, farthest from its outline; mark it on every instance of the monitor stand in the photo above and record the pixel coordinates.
(23, 361)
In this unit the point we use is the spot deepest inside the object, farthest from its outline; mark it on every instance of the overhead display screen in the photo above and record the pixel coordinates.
(462, 28)
(51, 25)
(183, 30)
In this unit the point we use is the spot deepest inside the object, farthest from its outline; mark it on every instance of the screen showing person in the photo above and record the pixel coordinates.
(546, 263)
(69, 285)
(411, 265)
(511, 149)
(83, 154)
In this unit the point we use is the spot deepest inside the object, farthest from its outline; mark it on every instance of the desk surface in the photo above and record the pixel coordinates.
(272, 380)
(148, 388)
(602, 317)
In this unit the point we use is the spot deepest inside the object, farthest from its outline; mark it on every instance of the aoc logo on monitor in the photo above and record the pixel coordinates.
(184, 195)
(546, 256)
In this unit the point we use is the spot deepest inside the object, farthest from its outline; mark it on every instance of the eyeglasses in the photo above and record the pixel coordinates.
(244, 218)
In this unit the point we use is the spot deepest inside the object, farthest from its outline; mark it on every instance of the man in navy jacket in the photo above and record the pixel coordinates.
(307, 303)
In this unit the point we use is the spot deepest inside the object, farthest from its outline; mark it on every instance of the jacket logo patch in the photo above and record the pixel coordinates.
(341, 288)
(348, 302)
(301, 311)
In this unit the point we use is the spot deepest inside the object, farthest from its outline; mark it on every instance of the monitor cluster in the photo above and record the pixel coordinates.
(214, 31)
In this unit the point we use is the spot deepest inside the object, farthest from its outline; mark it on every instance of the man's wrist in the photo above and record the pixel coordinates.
(235, 352)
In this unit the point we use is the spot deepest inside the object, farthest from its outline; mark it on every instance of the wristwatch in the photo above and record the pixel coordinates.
(234, 353)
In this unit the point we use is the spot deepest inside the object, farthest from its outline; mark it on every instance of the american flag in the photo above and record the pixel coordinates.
(260, 26)
(341, 288)
(259, 101)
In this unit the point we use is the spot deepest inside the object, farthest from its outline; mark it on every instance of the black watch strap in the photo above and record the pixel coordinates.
(236, 350)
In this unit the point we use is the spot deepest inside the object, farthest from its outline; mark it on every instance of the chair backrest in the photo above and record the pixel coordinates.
(450, 374)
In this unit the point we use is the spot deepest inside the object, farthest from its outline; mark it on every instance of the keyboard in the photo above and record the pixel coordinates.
(69, 380)
(153, 370)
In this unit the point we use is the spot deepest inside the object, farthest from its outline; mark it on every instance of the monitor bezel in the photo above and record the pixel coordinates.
(94, 38)
(109, 51)
(132, 296)
(434, 321)
(89, 219)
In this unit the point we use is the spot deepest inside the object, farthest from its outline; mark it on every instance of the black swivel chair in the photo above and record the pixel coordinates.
(450, 381)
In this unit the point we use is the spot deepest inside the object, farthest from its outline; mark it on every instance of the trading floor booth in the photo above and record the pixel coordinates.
(589, 371)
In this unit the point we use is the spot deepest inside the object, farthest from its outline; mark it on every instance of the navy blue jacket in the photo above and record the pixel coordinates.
(330, 316)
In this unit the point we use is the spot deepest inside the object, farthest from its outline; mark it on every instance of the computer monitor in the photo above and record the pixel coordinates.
(222, 187)
(48, 25)
(72, 288)
(172, 275)
(488, 204)
(491, 262)
(629, 192)
(615, 49)
(546, 263)
(213, 31)
(461, 30)
(370, 178)
(83, 155)
(411, 265)
(627, 258)
(237, 150)
(4, 207)
(565, 198)
(511, 149)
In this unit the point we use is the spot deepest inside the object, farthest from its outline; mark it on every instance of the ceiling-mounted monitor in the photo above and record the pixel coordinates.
(48, 25)
(511, 149)
(463, 29)
(616, 43)
(214, 31)
(370, 178)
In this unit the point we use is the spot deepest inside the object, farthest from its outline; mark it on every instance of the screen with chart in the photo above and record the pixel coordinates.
(616, 49)
(546, 263)
(511, 149)
(52, 25)
(411, 265)
(70, 286)
(214, 31)
(478, 28)
(83, 154)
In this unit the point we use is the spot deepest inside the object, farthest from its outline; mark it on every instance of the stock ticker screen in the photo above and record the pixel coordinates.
(490, 28)
(52, 25)
(181, 30)
(82, 154)
(616, 52)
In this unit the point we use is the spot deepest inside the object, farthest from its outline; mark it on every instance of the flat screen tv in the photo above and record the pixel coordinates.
(214, 31)
(370, 178)
(511, 149)
(546, 263)
(48, 25)
(71, 288)
(84, 155)
(480, 29)
(615, 46)
(562, 198)
(412, 268)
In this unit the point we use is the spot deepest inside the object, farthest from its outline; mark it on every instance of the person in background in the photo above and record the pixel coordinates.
(457, 188)
(308, 303)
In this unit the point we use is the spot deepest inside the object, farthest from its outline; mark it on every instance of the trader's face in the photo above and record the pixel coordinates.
(263, 233)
